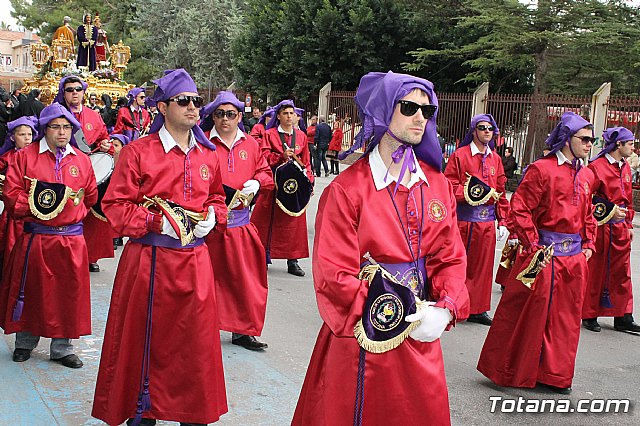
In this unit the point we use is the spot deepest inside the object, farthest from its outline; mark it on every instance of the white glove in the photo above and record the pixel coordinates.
(250, 187)
(167, 229)
(512, 241)
(433, 321)
(203, 227)
(502, 233)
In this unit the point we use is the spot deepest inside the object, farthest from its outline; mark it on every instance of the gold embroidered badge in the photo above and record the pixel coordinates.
(204, 172)
(243, 154)
(73, 171)
(436, 210)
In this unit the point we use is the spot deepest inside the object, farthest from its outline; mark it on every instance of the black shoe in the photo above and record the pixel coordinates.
(250, 342)
(326, 174)
(94, 267)
(71, 361)
(555, 389)
(626, 323)
(21, 355)
(295, 269)
(120, 241)
(591, 324)
(143, 422)
(482, 318)
(502, 288)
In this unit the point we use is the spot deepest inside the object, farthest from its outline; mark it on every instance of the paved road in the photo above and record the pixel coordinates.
(262, 388)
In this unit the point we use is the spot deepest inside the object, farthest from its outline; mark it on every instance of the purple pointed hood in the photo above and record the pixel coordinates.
(274, 122)
(611, 137)
(171, 84)
(302, 124)
(124, 139)
(468, 138)
(133, 94)
(377, 97)
(267, 114)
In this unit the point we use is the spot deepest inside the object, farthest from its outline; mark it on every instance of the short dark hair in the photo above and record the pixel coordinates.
(283, 107)
(510, 149)
(72, 79)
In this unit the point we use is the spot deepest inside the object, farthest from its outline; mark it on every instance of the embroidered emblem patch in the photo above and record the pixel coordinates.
(586, 188)
(89, 126)
(47, 198)
(476, 191)
(386, 312)
(565, 245)
(412, 279)
(243, 154)
(73, 171)
(627, 178)
(436, 210)
(204, 172)
(484, 213)
(290, 186)
(600, 210)
(297, 147)
(493, 171)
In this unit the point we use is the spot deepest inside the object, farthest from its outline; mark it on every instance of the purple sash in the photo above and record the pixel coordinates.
(482, 213)
(565, 244)
(68, 230)
(405, 273)
(160, 240)
(237, 218)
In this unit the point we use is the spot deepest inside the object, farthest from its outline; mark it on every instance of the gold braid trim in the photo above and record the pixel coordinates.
(491, 194)
(185, 238)
(534, 266)
(608, 217)
(32, 204)
(98, 215)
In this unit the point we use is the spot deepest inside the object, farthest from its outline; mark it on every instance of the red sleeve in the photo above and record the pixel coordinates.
(524, 201)
(120, 203)
(90, 186)
(263, 173)
(122, 120)
(305, 156)
(502, 209)
(336, 262)
(452, 172)
(15, 193)
(216, 198)
(590, 229)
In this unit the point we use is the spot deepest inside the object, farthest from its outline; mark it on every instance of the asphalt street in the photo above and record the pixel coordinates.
(262, 388)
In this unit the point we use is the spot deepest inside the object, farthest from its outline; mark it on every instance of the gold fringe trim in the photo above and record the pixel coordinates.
(32, 205)
(608, 217)
(245, 200)
(534, 266)
(98, 215)
(185, 237)
(491, 194)
(282, 207)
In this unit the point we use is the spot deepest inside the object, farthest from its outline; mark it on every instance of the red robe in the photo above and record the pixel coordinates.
(288, 234)
(479, 238)
(257, 132)
(534, 335)
(613, 245)
(186, 379)
(57, 301)
(354, 218)
(10, 228)
(97, 233)
(124, 122)
(336, 140)
(237, 255)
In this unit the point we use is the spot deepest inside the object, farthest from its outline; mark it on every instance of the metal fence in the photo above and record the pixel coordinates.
(624, 111)
(454, 115)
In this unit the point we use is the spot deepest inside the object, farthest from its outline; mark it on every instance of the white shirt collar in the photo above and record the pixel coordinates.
(133, 108)
(168, 142)
(214, 134)
(613, 160)
(475, 150)
(281, 130)
(563, 159)
(379, 171)
(44, 148)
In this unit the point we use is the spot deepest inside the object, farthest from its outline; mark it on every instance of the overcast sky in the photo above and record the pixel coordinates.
(5, 14)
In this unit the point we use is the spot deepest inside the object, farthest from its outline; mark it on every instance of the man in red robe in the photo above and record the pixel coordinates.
(241, 291)
(258, 130)
(45, 292)
(161, 356)
(134, 120)
(476, 157)
(609, 291)
(535, 331)
(393, 206)
(97, 232)
(284, 236)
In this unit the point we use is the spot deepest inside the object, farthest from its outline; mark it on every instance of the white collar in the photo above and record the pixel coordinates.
(44, 148)
(168, 142)
(475, 150)
(379, 171)
(133, 108)
(563, 159)
(613, 160)
(214, 134)
(281, 130)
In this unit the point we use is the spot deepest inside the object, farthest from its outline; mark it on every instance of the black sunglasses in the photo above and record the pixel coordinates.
(183, 101)
(73, 89)
(220, 113)
(586, 139)
(408, 109)
(483, 127)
